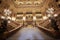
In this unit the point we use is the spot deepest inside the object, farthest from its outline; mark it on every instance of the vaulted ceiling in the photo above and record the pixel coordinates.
(29, 5)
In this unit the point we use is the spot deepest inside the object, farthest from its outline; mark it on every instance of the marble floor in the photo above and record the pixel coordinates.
(30, 33)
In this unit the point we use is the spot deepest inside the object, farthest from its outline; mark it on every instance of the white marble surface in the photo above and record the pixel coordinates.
(29, 33)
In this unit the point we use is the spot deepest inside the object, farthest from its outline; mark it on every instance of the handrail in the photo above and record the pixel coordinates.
(15, 29)
(18, 26)
(44, 27)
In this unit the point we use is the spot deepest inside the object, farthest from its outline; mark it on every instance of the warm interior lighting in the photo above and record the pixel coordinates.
(7, 12)
(49, 15)
(55, 15)
(50, 10)
(19, 15)
(9, 21)
(45, 17)
(34, 18)
(9, 17)
(24, 18)
(2, 17)
(13, 18)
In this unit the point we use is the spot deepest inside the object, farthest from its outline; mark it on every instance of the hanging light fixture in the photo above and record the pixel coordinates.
(7, 12)
(55, 15)
(45, 17)
(50, 10)
(3, 17)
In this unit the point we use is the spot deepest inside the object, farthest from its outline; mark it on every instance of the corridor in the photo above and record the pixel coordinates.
(30, 33)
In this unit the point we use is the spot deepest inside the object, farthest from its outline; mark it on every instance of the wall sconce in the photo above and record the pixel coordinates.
(24, 18)
(34, 18)
(45, 17)
(13, 18)
(49, 15)
(3, 17)
(55, 15)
